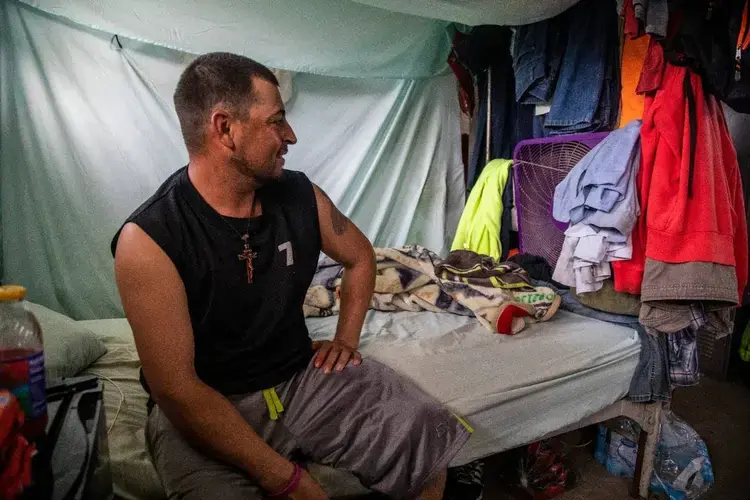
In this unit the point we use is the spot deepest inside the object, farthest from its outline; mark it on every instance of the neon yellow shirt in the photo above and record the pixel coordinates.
(745, 345)
(479, 227)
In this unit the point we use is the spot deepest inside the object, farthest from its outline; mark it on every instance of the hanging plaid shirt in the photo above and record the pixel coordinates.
(682, 358)
(682, 349)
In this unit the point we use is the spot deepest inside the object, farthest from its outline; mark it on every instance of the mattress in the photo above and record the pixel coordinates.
(512, 390)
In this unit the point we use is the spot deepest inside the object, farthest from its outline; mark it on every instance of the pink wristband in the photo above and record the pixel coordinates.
(293, 483)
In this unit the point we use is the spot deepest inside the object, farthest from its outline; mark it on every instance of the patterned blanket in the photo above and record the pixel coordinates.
(406, 281)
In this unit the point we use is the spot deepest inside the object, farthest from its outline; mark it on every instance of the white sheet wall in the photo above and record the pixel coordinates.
(88, 132)
(355, 38)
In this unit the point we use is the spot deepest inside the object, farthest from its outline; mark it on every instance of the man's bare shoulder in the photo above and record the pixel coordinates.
(138, 252)
(133, 238)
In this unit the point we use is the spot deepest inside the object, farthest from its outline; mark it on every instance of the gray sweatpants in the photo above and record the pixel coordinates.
(366, 420)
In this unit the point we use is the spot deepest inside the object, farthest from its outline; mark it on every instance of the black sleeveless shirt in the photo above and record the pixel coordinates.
(248, 336)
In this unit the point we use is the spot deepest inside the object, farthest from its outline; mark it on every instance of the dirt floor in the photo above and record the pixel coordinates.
(719, 411)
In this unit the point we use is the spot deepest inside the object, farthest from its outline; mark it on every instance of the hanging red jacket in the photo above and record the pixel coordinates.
(689, 184)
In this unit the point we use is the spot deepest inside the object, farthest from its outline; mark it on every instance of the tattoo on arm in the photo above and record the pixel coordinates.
(339, 221)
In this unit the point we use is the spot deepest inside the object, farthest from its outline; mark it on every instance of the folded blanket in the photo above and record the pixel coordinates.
(470, 267)
(406, 281)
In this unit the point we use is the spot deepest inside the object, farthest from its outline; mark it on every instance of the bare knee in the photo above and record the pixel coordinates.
(435, 486)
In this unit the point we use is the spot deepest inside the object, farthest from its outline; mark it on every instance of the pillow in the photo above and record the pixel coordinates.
(69, 348)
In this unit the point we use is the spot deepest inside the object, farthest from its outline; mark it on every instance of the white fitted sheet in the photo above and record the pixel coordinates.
(512, 390)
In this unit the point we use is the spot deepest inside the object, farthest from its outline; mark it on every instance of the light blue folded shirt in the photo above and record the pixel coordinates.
(600, 190)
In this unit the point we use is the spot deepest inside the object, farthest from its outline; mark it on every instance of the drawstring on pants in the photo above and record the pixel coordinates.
(275, 408)
(464, 423)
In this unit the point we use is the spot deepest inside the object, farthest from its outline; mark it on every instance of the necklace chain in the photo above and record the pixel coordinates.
(247, 254)
(243, 237)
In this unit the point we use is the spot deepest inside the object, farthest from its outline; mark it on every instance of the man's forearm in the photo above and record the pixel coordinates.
(212, 423)
(356, 292)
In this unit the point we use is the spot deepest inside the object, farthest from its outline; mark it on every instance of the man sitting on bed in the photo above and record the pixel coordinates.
(213, 270)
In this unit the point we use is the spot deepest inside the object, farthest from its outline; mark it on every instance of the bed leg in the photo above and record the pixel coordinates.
(647, 441)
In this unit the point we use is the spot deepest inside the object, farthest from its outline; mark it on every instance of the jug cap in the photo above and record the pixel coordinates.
(10, 293)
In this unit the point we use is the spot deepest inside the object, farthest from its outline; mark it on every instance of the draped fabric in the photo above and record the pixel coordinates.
(89, 132)
(351, 38)
(327, 37)
(477, 12)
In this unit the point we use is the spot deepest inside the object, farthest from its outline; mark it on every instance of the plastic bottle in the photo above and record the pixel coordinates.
(22, 359)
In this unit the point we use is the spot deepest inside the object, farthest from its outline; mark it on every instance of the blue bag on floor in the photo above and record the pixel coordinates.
(682, 469)
(617, 447)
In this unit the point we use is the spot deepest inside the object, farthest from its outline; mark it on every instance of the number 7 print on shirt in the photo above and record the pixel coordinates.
(287, 247)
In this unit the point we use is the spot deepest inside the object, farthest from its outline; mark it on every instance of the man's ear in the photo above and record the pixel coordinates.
(221, 127)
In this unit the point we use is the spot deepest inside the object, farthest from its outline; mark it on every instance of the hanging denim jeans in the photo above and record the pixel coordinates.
(651, 379)
(584, 69)
(537, 53)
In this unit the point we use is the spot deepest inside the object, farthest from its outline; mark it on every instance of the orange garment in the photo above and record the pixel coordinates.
(690, 211)
(633, 55)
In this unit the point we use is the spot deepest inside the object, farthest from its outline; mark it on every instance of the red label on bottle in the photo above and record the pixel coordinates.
(24, 378)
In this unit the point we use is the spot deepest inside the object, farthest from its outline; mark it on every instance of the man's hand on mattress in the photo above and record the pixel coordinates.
(335, 355)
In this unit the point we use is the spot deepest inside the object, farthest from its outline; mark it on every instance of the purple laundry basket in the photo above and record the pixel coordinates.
(539, 165)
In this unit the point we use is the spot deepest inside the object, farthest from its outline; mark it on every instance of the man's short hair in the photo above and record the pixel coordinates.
(212, 79)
